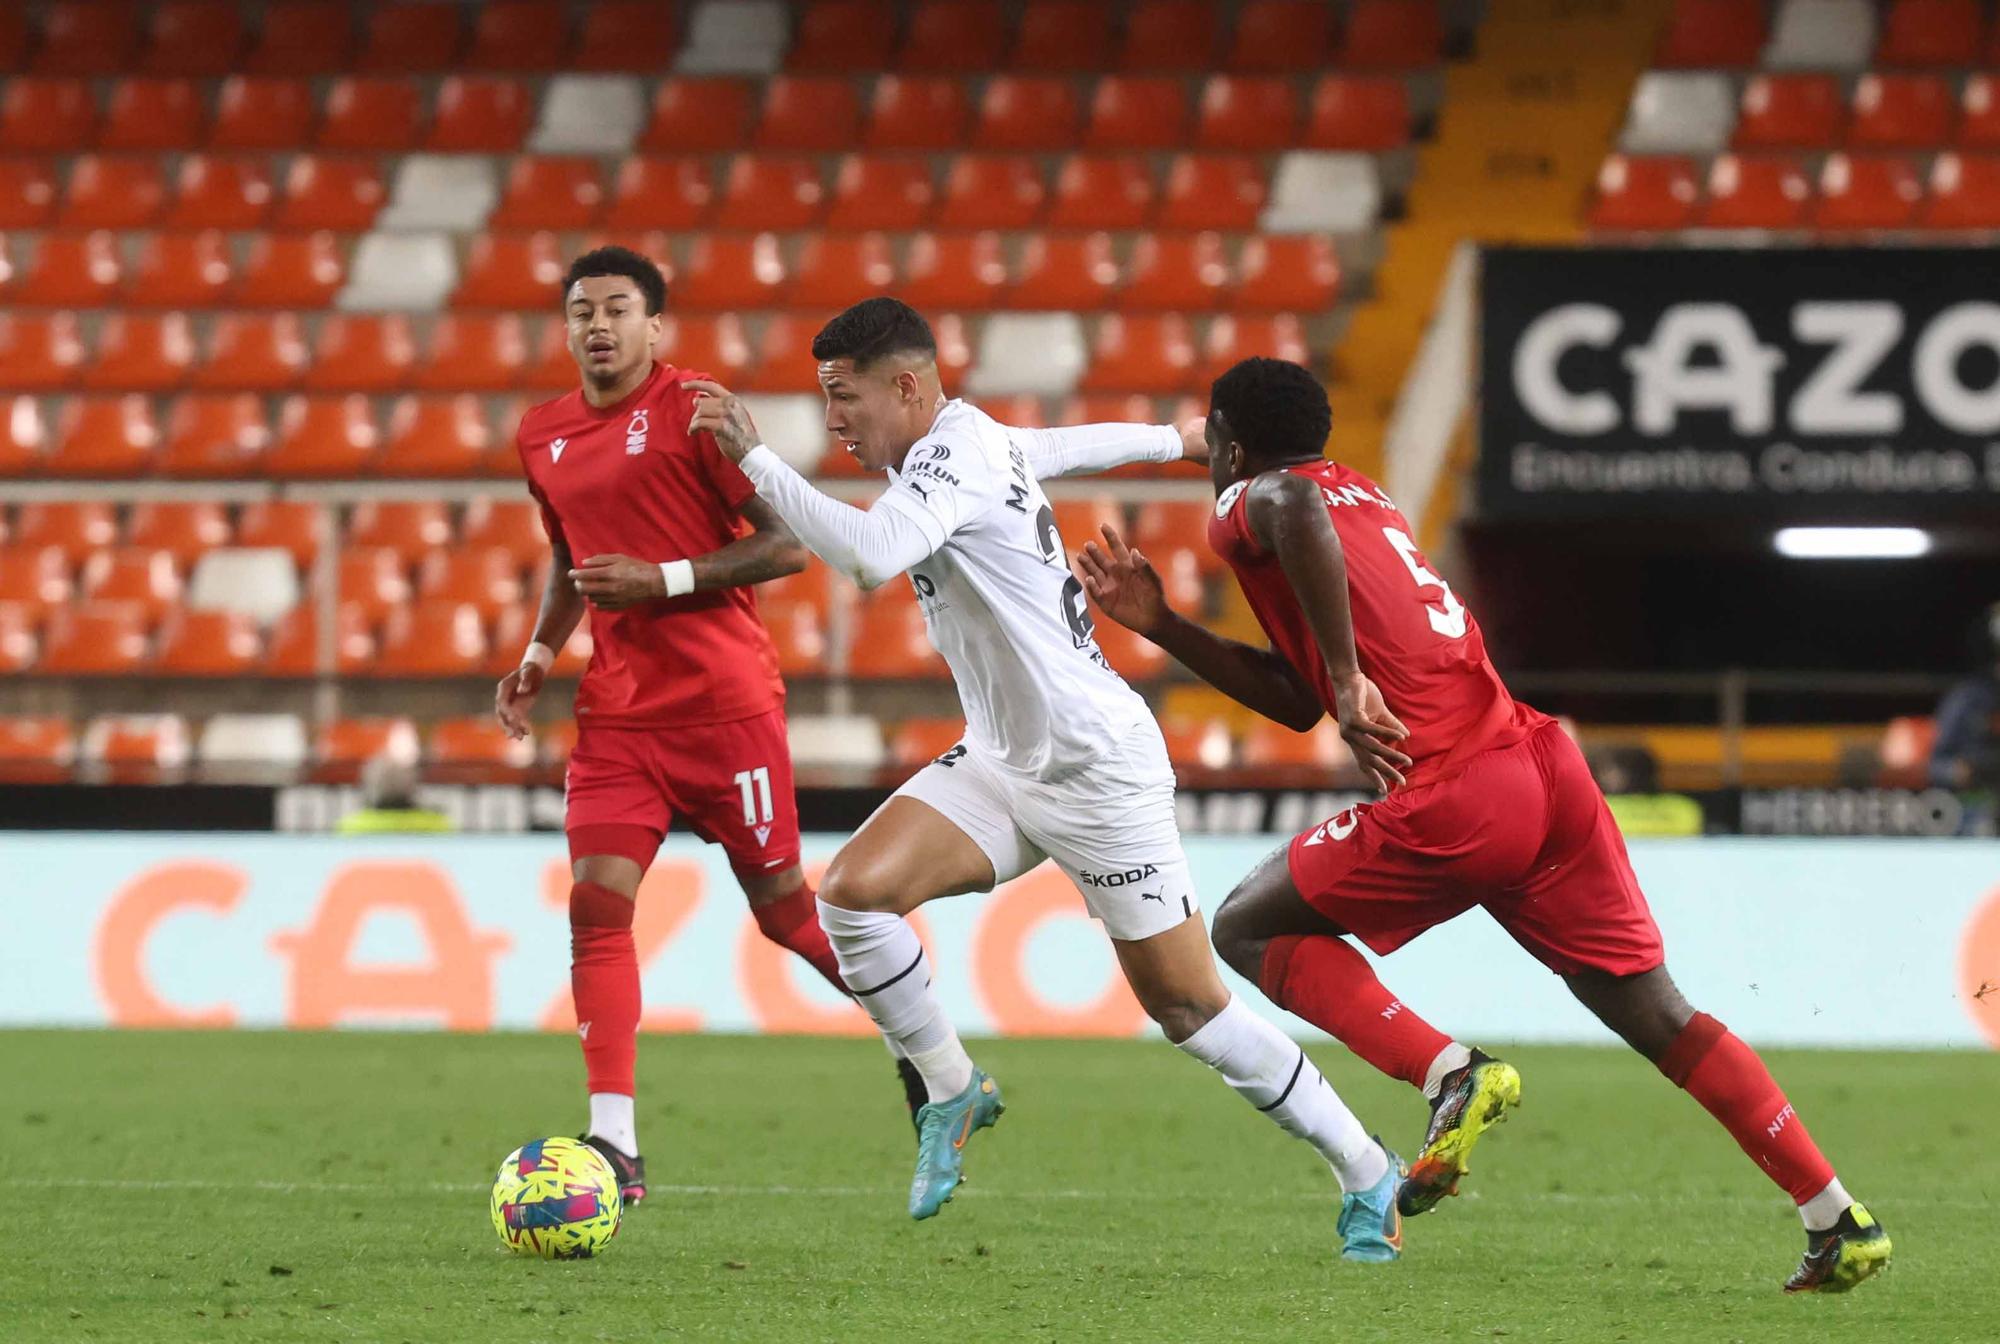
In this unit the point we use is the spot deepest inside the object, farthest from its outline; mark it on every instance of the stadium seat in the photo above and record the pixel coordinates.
(1866, 192)
(214, 437)
(478, 352)
(843, 36)
(46, 116)
(734, 37)
(1083, 518)
(1964, 194)
(992, 191)
(1025, 112)
(71, 270)
(917, 112)
(258, 112)
(1979, 123)
(293, 650)
(95, 639)
(881, 191)
(133, 749)
(212, 192)
(918, 742)
(1063, 36)
(342, 194)
(835, 270)
(954, 270)
(24, 438)
(732, 271)
(291, 270)
(1755, 192)
(962, 36)
(291, 525)
(1102, 192)
(75, 527)
(145, 578)
(1140, 353)
(783, 360)
(1898, 111)
(1288, 35)
(326, 437)
(1679, 112)
(39, 352)
(181, 270)
(13, 39)
(519, 35)
(1132, 656)
(781, 192)
(1268, 745)
(851, 743)
(104, 436)
(254, 352)
(512, 525)
(36, 749)
(1065, 271)
(707, 115)
(18, 647)
(655, 193)
(1702, 34)
(1212, 191)
(480, 114)
(1644, 194)
(1795, 111)
(511, 270)
(1137, 112)
(1296, 273)
(112, 193)
(303, 37)
(1203, 744)
(552, 369)
(430, 639)
(476, 748)
(1234, 337)
(1364, 112)
(888, 641)
(436, 437)
(155, 115)
(258, 582)
(589, 114)
(373, 578)
(634, 35)
(208, 644)
(84, 37)
(568, 193)
(410, 529)
(1170, 35)
(1392, 35)
(487, 579)
(260, 748)
(342, 746)
(814, 113)
(1168, 526)
(412, 38)
(1028, 354)
(1821, 35)
(1929, 33)
(193, 37)
(34, 577)
(362, 352)
(181, 528)
(1247, 112)
(371, 112)
(141, 352)
(1187, 272)
(27, 193)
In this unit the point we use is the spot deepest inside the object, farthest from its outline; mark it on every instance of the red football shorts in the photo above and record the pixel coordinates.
(1522, 831)
(730, 782)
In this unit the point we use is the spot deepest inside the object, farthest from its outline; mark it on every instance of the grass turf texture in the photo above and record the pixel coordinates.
(170, 1187)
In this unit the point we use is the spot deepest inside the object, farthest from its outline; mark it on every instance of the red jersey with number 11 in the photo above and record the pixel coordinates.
(1414, 638)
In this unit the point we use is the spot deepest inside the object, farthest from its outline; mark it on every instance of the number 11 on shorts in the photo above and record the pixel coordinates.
(755, 786)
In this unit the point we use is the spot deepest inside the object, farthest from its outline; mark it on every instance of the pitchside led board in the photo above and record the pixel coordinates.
(1823, 384)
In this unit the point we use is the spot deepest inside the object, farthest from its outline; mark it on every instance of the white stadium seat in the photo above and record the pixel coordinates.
(735, 37)
(1323, 193)
(411, 272)
(1822, 35)
(258, 581)
(589, 114)
(1035, 353)
(441, 191)
(1680, 112)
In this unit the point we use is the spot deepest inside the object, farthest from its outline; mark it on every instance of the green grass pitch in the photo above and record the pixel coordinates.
(248, 1186)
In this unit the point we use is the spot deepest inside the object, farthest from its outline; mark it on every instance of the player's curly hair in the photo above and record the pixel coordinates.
(640, 270)
(1275, 409)
(873, 328)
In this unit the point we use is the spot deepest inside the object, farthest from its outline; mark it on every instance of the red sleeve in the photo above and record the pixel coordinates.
(550, 523)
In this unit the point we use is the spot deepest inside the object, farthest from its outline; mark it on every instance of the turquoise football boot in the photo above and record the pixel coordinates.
(942, 1129)
(1371, 1226)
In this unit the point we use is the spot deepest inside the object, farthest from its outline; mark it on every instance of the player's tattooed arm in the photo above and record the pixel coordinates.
(771, 551)
(1287, 517)
(1127, 588)
(562, 608)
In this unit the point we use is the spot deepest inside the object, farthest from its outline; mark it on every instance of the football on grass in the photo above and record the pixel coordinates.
(556, 1198)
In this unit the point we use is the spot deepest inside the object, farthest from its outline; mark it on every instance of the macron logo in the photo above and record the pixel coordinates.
(583, 1030)
(555, 449)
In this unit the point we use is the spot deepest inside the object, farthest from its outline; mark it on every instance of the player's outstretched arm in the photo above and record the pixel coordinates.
(615, 582)
(1079, 450)
(1128, 590)
(562, 608)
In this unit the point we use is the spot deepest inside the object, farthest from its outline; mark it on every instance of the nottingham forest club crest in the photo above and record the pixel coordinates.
(635, 433)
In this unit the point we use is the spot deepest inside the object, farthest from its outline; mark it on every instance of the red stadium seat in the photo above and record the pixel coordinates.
(480, 114)
(489, 580)
(842, 36)
(512, 525)
(520, 35)
(693, 114)
(1291, 35)
(954, 270)
(87, 37)
(1393, 35)
(1082, 519)
(835, 270)
(412, 37)
(1212, 191)
(134, 749)
(784, 361)
(105, 436)
(1901, 112)
(327, 437)
(889, 641)
(433, 640)
(24, 438)
(46, 116)
(1170, 35)
(182, 528)
(141, 352)
(780, 192)
(1638, 194)
(1102, 192)
(27, 194)
(35, 578)
(220, 193)
(918, 742)
(818, 113)
(13, 39)
(917, 112)
(362, 352)
(291, 270)
(658, 193)
(511, 270)
(72, 270)
(1151, 353)
(477, 748)
(36, 749)
(1704, 33)
(1859, 192)
(568, 193)
(1063, 35)
(634, 35)
(39, 353)
(881, 191)
(410, 528)
(342, 746)
(1132, 656)
(1930, 33)
(181, 270)
(1287, 272)
(194, 37)
(254, 352)
(1965, 192)
(214, 437)
(1202, 745)
(330, 193)
(152, 114)
(1164, 526)
(732, 270)
(1756, 192)
(1103, 408)
(95, 639)
(294, 647)
(1358, 112)
(1979, 126)
(551, 367)
(112, 193)
(1260, 113)
(371, 112)
(1790, 111)
(435, 437)
(481, 352)
(1137, 112)
(957, 35)
(1188, 272)
(1236, 337)
(284, 524)
(992, 191)
(372, 578)
(1068, 272)
(304, 37)
(1028, 113)
(208, 644)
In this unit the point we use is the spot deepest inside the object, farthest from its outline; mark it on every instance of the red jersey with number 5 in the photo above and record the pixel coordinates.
(1415, 639)
(629, 480)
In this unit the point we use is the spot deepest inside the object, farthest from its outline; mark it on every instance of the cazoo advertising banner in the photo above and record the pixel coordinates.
(1821, 384)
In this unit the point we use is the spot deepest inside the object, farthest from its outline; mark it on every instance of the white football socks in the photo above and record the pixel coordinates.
(884, 966)
(611, 1120)
(1453, 1056)
(1271, 1072)
(1823, 1210)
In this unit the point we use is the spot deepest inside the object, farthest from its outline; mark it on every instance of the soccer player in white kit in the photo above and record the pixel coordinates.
(1061, 759)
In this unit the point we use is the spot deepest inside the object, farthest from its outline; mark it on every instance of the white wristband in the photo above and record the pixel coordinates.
(679, 575)
(539, 655)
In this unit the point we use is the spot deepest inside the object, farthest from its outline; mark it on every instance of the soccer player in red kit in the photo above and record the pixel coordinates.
(1485, 802)
(681, 711)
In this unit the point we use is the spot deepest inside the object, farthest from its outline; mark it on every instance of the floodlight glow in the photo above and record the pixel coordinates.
(1852, 543)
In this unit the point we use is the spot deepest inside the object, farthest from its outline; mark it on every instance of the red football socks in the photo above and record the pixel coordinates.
(792, 922)
(1332, 986)
(604, 980)
(1722, 1073)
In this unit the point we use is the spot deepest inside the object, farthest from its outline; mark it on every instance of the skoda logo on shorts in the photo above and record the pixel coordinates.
(1126, 878)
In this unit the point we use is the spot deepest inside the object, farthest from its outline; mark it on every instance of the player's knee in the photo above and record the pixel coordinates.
(861, 884)
(1237, 939)
(1183, 1015)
